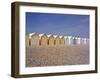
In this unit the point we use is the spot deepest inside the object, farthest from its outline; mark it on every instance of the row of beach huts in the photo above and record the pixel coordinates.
(34, 39)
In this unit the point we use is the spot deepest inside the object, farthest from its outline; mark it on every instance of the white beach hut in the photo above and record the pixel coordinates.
(78, 40)
(68, 40)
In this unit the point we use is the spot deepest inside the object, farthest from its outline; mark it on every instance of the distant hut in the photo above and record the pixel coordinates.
(82, 40)
(57, 40)
(66, 40)
(70, 40)
(78, 40)
(51, 40)
(87, 41)
(27, 40)
(35, 39)
(62, 40)
(74, 40)
(44, 40)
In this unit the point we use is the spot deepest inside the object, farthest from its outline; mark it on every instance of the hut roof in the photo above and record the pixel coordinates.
(49, 35)
(65, 36)
(69, 36)
(58, 37)
(73, 38)
(55, 36)
(61, 36)
(34, 34)
(76, 37)
(30, 35)
(41, 34)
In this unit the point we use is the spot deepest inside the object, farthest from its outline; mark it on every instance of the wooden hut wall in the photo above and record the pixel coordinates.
(44, 40)
(35, 40)
(57, 41)
(51, 41)
(62, 41)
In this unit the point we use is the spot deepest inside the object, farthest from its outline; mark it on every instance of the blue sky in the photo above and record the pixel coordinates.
(59, 24)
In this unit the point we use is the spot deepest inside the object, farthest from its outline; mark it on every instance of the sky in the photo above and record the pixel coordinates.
(58, 24)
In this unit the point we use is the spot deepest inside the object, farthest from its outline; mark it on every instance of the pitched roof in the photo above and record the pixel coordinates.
(49, 35)
(30, 35)
(55, 36)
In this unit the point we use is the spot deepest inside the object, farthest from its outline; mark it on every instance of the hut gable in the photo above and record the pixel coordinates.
(35, 41)
(44, 40)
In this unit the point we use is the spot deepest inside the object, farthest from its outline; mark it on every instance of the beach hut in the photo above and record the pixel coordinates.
(82, 40)
(35, 39)
(57, 40)
(44, 40)
(66, 40)
(70, 40)
(78, 40)
(74, 40)
(87, 41)
(62, 40)
(27, 40)
(51, 40)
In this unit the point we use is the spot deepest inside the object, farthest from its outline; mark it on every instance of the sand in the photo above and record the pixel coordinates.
(37, 56)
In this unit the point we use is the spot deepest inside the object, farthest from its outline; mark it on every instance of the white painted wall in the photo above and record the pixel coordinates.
(5, 42)
(66, 40)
